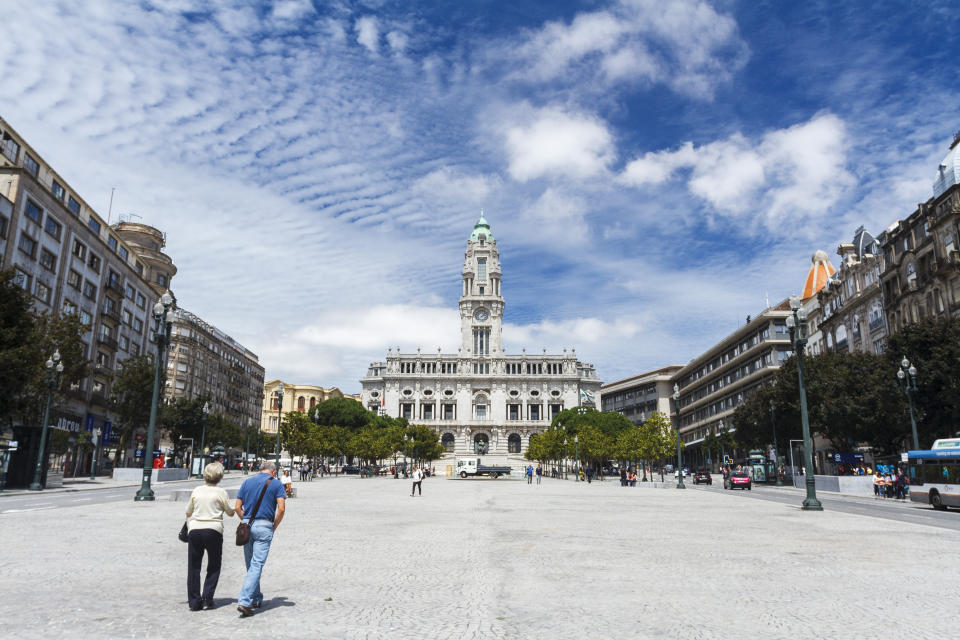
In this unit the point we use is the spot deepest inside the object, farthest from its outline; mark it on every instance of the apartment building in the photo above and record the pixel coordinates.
(639, 397)
(72, 261)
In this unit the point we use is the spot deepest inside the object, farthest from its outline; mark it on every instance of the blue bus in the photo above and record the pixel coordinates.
(935, 474)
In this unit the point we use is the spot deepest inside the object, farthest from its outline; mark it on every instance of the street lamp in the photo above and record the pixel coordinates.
(563, 463)
(203, 437)
(798, 337)
(93, 457)
(643, 463)
(54, 369)
(162, 333)
(279, 406)
(776, 456)
(246, 450)
(405, 455)
(676, 404)
(576, 442)
(907, 374)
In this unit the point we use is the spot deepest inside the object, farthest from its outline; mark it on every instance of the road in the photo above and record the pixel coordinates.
(43, 500)
(910, 512)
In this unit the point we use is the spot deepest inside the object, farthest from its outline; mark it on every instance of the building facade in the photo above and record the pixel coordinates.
(71, 261)
(639, 397)
(203, 361)
(296, 397)
(852, 317)
(480, 397)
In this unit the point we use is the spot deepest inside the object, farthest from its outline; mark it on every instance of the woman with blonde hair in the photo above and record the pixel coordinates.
(205, 510)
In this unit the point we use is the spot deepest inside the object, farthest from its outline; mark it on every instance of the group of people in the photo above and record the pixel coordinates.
(628, 477)
(530, 472)
(886, 485)
(261, 502)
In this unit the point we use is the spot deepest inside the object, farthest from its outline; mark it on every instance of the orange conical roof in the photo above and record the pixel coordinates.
(820, 272)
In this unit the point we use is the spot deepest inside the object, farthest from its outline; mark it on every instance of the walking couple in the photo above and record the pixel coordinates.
(261, 501)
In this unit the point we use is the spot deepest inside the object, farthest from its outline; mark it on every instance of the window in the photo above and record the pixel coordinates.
(28, 245)
(73, 205)
(124, 254)
(21, 279)
(74, 279)
(534, 412)
(127, 318)
(85, 318)
(448, 411)
(69, 308)
(481, 411)
(43, 292)
(57, 190)
(481, 268)
(162, 279)
(112, 243)
(33, 211)
(79, 249)
(138, 325)
(48, 260)
(124, 343)
(134, 349)
(513, 412)
(89, 290)
(141, 301)
(94, 262)
(427, 412)
(52, 227)
(31, 165)
(513, 443)
(94, 225)
(130, 292)
(139, 269)
(3, 227)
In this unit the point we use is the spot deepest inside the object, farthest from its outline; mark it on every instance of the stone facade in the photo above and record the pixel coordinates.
(296, 397)
(480, 394)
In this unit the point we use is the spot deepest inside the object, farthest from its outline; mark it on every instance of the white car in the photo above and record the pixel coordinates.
(686, 473)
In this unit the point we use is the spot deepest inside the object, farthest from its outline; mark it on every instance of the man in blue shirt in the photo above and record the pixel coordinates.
(263, 525)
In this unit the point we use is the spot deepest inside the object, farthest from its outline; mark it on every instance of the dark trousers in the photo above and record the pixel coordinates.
(201, 540)
(417, 488)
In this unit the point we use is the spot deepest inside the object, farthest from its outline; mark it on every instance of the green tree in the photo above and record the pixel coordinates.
(17, 356)
(183, 418)
(933, 347)
(299, 435)
(133, 394)
(342, 412)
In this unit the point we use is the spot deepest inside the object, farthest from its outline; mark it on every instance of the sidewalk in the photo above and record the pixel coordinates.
(84, 483)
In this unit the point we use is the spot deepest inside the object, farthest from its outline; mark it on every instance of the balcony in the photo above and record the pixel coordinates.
(99, 399)
(115, 284)
(107, 341)
(103, 370)
(112, 312)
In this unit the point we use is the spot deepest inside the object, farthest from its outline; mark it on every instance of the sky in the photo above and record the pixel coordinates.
(653, 171)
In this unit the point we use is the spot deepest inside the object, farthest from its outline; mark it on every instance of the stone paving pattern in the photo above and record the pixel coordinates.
(359, 558)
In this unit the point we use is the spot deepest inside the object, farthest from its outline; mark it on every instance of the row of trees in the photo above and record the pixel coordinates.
(593, 437)
(855, 398)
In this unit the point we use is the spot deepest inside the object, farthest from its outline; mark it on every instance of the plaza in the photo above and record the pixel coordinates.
(359, 558)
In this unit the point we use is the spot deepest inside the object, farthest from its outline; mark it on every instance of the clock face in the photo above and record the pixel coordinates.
(481, 315)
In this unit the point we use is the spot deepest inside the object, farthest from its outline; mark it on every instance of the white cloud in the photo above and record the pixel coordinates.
(292, 9)
(798, 170)
(557, 217)
(448, 186)
(398, 42)
(553, 142)
(368, 33)
(684, 43)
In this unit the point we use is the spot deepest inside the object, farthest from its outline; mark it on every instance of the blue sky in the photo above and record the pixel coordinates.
(652, 170)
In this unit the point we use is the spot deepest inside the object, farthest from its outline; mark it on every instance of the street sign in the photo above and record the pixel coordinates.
(140, 437)
(138, 453)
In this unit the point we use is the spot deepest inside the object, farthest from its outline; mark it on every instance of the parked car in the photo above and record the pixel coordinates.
(702, 477)
(686, 473)
(738, 480)
(351, 468)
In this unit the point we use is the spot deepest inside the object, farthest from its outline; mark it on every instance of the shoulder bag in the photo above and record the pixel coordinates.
(183, 532)
(243, 529)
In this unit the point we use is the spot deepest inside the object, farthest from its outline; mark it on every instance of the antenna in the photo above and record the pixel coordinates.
(110, 208)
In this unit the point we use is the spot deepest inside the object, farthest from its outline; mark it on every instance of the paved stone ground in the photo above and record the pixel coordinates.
(491, 559)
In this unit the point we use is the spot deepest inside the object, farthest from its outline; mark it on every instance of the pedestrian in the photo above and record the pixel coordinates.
(589, 475)
(417, 481)
(287, 482)
(262, 502)
(539, 473)
(205, 510)
(529, 474)
(623, 476)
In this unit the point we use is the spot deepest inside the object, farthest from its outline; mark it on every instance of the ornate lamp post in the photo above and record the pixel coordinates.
(776, 456)
(54, 369)
(162, 332)
(676, 404)
(405, 455)
(203, 438)
(643, 463)
(907, 374)
(246, 450)
(279, 408)
(576, 443)
(798, 336)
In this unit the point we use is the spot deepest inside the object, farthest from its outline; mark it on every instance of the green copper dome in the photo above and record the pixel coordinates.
(483, 227)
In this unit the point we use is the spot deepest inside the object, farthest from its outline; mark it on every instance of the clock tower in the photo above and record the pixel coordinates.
(481, 305)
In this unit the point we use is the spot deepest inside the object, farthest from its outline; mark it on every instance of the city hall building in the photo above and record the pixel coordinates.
(480, 398)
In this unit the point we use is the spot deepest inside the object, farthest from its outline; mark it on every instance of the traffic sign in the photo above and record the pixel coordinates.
(140, 437)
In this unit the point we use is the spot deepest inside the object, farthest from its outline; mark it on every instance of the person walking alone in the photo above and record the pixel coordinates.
(539, 473)
(529, 474)
(417, 482)
(264, 500)
(205, 509)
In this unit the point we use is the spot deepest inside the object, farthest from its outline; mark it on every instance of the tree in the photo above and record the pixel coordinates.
(299, 435)
(17, 357)
(133, 395)
(425, 443)
(183, 418)
(933, 347)
(342, 412)
(659, 437)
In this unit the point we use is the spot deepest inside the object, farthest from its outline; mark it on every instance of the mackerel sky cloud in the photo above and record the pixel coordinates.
(652, 170)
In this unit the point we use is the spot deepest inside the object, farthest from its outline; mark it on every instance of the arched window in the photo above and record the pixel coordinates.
(481, 443)
(513, 443)
(301, 403)
(275, 400)
(448, 441)
(313, 402)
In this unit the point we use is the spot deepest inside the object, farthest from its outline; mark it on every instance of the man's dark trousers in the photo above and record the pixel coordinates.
(201, 540)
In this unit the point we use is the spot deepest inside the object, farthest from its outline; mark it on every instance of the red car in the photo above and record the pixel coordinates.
(738, 480)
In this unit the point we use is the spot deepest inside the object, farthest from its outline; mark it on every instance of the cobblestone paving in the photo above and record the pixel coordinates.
(490, 559)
